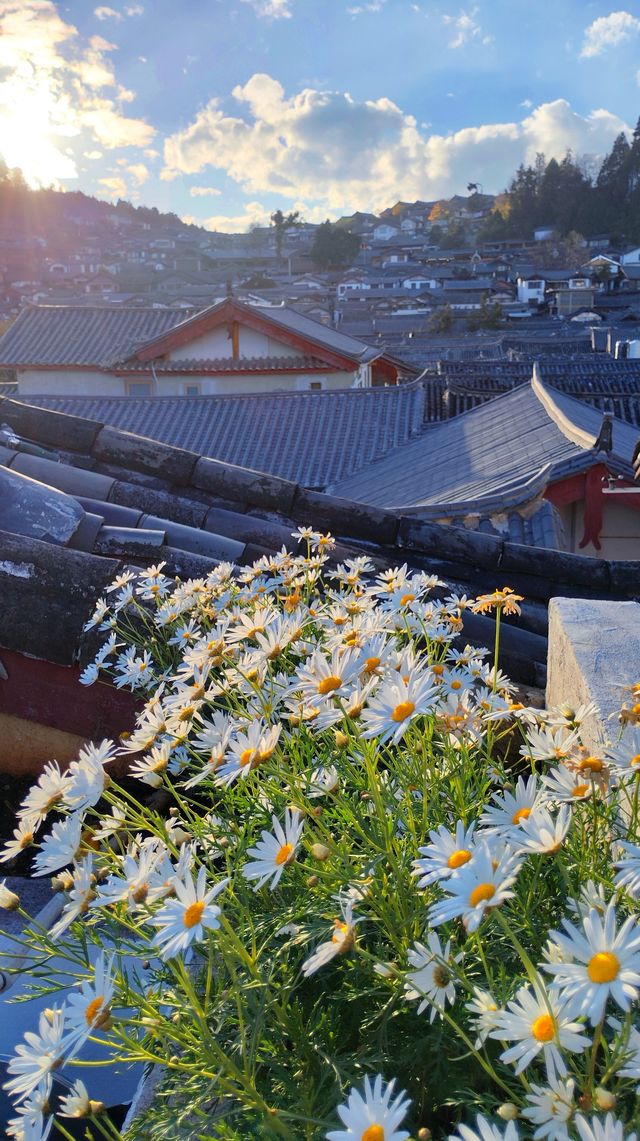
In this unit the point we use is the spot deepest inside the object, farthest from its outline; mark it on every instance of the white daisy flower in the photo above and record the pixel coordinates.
(143, 879)
(431, 981)
(446, 853)
(508, 810)
(602, 963)
(60, 847)
(186, 919)
(483, 883)
(22, 838)
(78, 1103)
(45, 794)
(30, 1126)
(550, 744)
(591, 895)
(540, 833)
(323, 780)
(396, 703)
(89, 1009)
(550, 1108)
(79, 898)
(319, 679)
(625, 755)
(374, 1116)
(538, 1023)
(340, 943)
(631, 1067)
(485, 1010)
(247, 751)
(566, 784)
(274, 851)
(628, 869)
(40, 1054)
(485, 1131)
(598, 1130)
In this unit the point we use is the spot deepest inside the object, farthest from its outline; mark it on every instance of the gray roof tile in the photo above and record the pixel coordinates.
(81, 335)
(311, 437)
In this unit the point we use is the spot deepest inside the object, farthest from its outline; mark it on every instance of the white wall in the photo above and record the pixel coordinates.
(620, 535)
(79, 383)
(217, 345)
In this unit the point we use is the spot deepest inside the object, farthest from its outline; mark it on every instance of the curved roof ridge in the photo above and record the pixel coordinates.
(578, 436)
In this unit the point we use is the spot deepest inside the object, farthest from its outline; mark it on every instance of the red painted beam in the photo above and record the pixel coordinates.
(51, 695)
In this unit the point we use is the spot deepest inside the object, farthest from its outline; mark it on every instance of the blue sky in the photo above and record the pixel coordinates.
(224, 110)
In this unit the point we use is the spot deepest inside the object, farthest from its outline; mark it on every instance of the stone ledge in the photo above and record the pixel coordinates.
(594, 650)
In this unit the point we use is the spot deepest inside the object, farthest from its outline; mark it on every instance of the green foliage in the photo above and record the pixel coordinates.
(334, 247)
(281, 223)
(442, 320)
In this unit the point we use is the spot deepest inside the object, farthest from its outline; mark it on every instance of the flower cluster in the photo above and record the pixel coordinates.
(353, 853)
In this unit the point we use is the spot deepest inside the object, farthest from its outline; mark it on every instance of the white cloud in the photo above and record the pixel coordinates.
(608, 32)
(116, 186)
(334, 153)
(466, 28)
(371, 6)
(255, 214)
(65, 87)
(271, 9)
(204, 191)
(104, 12)
(138, 172)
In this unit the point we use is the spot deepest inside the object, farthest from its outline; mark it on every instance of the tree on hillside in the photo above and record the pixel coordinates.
(333, 247)
(281, 223)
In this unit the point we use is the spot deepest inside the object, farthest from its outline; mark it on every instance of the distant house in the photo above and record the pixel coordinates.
(533, 450)
(531, 290)
(227, 348)
(384, 232)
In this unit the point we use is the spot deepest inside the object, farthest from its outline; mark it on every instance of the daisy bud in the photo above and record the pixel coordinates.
(312, 881)
(424, 1134)
(9, 901)
(604, 1099)
(585, 1102)
(96, 1107)
(180, 836)
(223, 842)
(507, 1111)
(316, 812)
(62, 882)
(341, 739)
(320, 852)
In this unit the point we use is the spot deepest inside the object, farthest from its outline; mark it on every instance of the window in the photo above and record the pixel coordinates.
(315, 384)
(138, 388)
(191, 389)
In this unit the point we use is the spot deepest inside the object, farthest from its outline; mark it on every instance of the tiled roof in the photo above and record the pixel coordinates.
(228, 364)
(500, 454)
(81, 335)
(54, 335)
(311, 437)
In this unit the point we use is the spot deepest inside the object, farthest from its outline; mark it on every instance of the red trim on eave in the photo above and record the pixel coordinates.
(229, 310)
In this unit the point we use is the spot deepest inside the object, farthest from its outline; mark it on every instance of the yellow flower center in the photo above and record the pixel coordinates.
(580, 790)
(543, 1028)
(636, 760)
(603, 967)
(456, 684)
(246, 756)
(402, 711)
(93, 1009)
(371, 664)
(521, 814)
(458, 858)
(193, 913)
(373, 1133)
(329, 684)
(482, 893)
(593, 764)
(407, 598)
(438, 670)
(283, 854)
(441, 976)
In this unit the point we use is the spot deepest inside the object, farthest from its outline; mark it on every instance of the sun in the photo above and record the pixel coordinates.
(30, 136)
